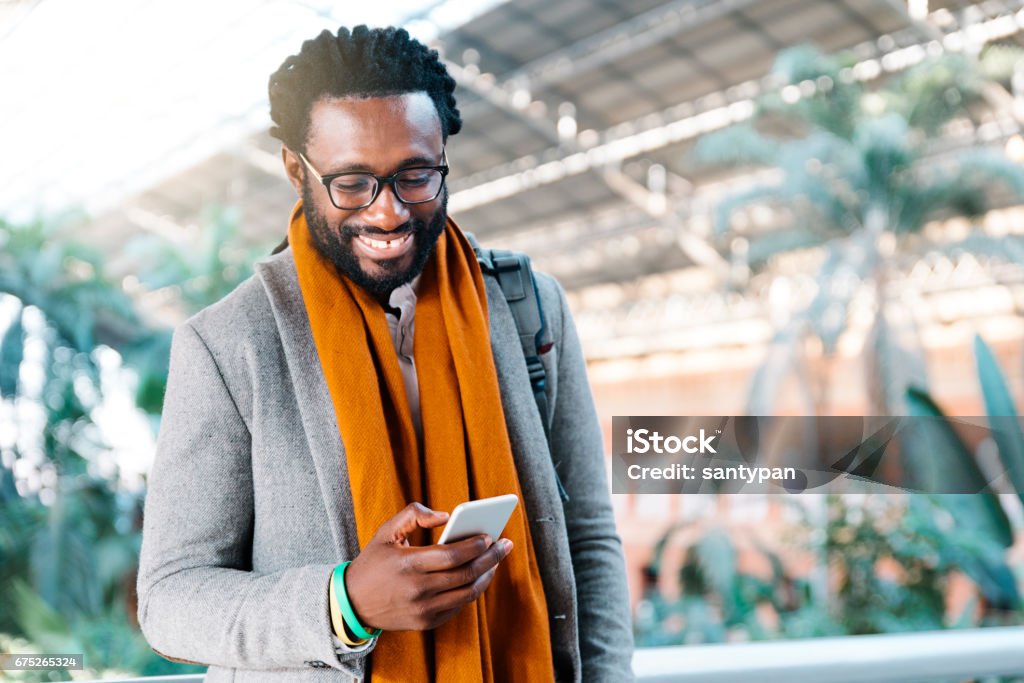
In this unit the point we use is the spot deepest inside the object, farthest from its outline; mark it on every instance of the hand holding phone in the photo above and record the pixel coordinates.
(396, 586)
(485, 516)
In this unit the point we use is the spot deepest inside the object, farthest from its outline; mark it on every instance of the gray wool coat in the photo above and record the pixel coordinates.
(249, 509)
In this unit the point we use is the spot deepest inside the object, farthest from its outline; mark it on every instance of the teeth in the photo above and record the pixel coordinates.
(382, 244)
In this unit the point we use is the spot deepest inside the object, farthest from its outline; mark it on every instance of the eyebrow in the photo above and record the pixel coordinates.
(404, 163)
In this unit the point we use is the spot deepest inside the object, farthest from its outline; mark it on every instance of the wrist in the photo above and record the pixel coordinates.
(351, 621)
(338, 622)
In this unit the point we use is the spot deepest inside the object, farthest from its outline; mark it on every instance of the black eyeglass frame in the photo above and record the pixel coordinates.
(326, 180)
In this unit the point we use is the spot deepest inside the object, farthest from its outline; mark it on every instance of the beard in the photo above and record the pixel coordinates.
(337, 247)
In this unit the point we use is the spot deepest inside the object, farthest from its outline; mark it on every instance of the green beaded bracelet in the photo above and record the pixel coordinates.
(347, 613)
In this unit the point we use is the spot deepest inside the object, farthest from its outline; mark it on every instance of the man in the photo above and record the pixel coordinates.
(322, 419)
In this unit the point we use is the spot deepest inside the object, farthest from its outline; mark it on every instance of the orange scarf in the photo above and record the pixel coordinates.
(466, 453)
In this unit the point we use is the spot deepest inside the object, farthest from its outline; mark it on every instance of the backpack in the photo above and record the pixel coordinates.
(515, 277)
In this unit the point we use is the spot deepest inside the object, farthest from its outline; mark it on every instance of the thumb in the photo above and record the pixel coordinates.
(412, 517)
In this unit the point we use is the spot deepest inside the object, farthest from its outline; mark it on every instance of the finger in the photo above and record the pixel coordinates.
(458, 597)
(412, 517)
(441, 581)
(435, 558)
(442, 617)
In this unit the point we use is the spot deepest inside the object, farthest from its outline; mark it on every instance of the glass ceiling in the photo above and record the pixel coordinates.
(102, 99)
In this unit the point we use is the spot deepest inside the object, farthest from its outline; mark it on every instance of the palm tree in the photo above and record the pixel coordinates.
(861, 172)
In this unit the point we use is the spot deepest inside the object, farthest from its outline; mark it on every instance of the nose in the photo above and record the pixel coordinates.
(386, 212)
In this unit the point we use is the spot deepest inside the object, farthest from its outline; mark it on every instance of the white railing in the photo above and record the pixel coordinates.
(932, 657)
(905, 658)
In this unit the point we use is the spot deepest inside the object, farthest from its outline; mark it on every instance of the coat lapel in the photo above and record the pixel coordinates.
(529, 445)
(319, 424)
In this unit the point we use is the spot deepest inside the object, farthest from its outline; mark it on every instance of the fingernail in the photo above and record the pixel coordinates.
(506, 545)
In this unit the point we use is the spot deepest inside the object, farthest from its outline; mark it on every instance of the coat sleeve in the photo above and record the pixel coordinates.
(199, 600)
(605, 627)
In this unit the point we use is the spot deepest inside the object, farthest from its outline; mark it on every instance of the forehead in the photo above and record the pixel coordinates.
(373, 131)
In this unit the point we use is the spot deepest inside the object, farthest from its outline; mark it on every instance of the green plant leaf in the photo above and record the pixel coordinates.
(658, 552)
(939, 455)
(734, 146)
(997, 582)
(12, 351)
(950, 458)
(1002, 412)
(981, 529)
(716, 557)
(43, 625)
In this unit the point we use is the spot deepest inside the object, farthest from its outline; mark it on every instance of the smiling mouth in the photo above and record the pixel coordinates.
(385, 245)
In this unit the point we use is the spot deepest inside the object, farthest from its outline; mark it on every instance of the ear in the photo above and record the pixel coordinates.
(293, 168)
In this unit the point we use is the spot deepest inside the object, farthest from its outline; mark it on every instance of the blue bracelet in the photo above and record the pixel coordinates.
(347, 613)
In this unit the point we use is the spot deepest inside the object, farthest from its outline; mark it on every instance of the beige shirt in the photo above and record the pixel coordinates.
(401, 325)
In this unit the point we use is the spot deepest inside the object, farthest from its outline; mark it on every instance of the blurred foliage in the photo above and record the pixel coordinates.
(887, 560)
(893, 564)
(199, 271)
(69, 545)
(861, 168)
(718, 602)
(979, 532)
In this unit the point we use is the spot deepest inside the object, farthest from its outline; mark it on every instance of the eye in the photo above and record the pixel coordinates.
(416, 178)
(352, 184)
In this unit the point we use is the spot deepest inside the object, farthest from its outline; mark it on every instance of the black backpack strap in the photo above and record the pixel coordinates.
(515, 277)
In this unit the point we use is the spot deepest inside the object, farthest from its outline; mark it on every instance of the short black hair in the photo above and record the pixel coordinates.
(363, 62)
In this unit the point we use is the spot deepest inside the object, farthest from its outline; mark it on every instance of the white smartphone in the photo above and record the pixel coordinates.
(484, 516)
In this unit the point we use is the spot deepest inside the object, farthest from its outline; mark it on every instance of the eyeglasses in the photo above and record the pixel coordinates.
(357, 190)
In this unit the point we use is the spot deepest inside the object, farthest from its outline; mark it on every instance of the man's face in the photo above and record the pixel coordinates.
(386, 244)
